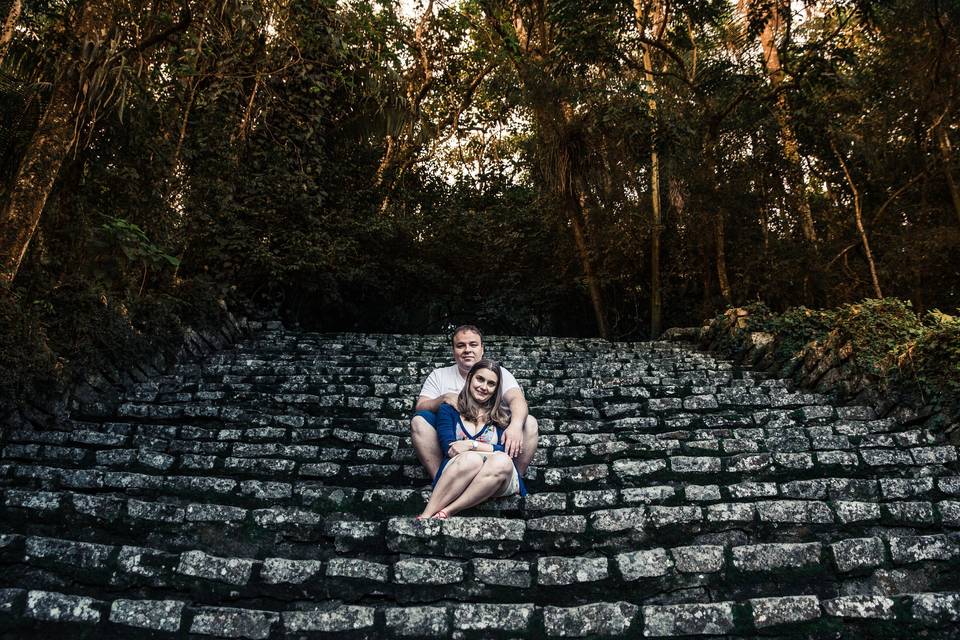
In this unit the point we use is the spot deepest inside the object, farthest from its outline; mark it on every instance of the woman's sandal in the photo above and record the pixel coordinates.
(440, 515)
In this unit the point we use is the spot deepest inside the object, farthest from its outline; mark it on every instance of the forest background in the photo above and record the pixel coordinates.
(552, 167)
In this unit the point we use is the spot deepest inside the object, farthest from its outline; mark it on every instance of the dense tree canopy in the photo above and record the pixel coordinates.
(558, 166)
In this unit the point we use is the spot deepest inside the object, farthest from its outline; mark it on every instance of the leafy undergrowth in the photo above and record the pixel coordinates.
(48, 345)
(877, 345)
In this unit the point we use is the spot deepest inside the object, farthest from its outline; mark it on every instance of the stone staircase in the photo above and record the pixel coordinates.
(269, 492)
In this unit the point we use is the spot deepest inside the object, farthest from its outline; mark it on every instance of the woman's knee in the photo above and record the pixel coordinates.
(469, 460)
(500, 464)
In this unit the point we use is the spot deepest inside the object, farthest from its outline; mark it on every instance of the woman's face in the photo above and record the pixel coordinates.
(482, 385)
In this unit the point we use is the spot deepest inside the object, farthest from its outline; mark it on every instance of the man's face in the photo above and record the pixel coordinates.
(467, 349)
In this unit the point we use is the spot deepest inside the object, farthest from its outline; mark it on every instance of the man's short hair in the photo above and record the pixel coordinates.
(466, 327)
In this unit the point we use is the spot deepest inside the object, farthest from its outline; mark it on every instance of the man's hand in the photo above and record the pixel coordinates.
(457, 447)
(451, 399)
(513, 440)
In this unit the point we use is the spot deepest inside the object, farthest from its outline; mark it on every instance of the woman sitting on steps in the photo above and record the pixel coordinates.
(476, 467)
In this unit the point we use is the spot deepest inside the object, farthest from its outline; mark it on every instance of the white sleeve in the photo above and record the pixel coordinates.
(509, 382)
(432, 388)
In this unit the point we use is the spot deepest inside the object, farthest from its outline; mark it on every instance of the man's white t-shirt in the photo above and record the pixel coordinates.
(448, 380)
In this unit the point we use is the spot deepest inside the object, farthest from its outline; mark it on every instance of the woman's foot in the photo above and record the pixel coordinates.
(440, 515)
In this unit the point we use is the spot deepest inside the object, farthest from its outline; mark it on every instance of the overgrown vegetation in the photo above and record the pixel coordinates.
(879, 345)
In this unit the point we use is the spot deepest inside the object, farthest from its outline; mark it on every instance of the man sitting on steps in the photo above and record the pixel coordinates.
(443, 385)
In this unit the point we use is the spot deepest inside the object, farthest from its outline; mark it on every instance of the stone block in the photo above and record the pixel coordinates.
(155, 511)
(358, 569)
(857, 553)
(35, 500)
(549, 501)
(920, 548)
(768, 612)
(586, 474)
(558, 524)
(774, 556)
(804, 489)
(268, 491)
(909, 513)
(49, 606)
(155, 615)
(647, 563)
(507, 573)
(849, 511)
(936, 608)
(731, 512)
(794, 461)
(899, 488)
(586, 499)
(745, 490)
(593, 620)
(886, 457)
(629, 469)
(795, 511)
(659, 516)
(486, 529)
(612, 520)
(235, 571)
(647, 495)
(695, 464)
(225, 622)
(688, 619)
(419, 571)
(77, 555)
(214, 513)
(286, 571)
(419, 622)
(702, 493)
(492, 617)
(339, 619)
(748, 462)
(846, 459)
(285, 517)
(698, 558)
(945, 454)
(657, 405)
(860, 607)
(949, 512)
(560, 570)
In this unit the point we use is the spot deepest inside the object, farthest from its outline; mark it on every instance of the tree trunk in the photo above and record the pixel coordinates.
(35, 179)
(719, 225)
(586, 261)
(858, 219)
(946, 155)
(720, 240)
(656, 219)
(9, 26)
(791, 150)
(44, 155)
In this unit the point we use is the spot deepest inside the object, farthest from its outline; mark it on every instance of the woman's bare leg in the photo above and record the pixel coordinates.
(486, 482)
(457, 475)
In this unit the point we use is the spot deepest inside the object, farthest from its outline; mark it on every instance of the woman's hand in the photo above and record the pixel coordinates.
(458, 447)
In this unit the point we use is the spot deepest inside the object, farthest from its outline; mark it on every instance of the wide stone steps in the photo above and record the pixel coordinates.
(845, 616)
(738, 570)
(269, 492)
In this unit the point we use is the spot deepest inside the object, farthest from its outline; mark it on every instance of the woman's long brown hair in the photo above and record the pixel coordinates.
(470, 408)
